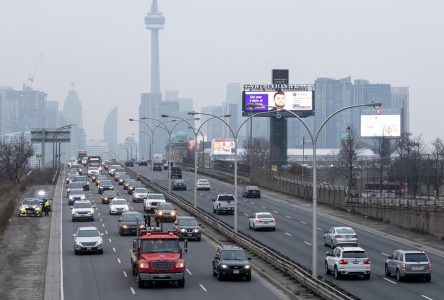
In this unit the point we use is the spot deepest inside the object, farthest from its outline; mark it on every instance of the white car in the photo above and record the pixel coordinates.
(262, 220)
(82, 209)
(118, 206)
(150, 203)
(340, 236)
(140, 194)
(88, 239)
(348, 261)
(93, 171)
(203, 184)
(76, 195)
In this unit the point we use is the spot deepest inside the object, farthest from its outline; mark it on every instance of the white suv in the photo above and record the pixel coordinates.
(82, 209)
(150, 203)
(348, 261)
(223, 203)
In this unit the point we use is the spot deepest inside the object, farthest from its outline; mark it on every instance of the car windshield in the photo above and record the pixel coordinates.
(136, 184)
(106, 182)
(187, 222)
(252, 188)
(141, 190)
(133, 218)
(166, 206)
(232, 255)
(156, 196)
(156, 246)
(415, 257)
(226, 198)
(202, 181)
(354, 254)
(264, 216)
(345, 231)
(93, 169)
(179, 181)
(109, 193)
(31, 202)
(80, 178)
(88, 233)
(76, 185)
(77, 192)
(82, 205)
(119, 202)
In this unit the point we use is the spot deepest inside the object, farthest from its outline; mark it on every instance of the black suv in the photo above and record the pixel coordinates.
(129, 222)
(187, 227)
(176, 172)
(230, 260)
(84, 179)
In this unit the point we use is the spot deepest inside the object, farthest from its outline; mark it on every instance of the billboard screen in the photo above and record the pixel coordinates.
(300, 102)
(380, 125)
(222, 146)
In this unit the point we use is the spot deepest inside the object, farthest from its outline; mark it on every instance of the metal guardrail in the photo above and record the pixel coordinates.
(285, 264)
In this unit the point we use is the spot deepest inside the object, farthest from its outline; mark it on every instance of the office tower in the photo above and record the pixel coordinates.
(213, 128)
(52, 114)
(95, 147)
(400, 99)
(150, 108)
(72, 111)
(110, 132)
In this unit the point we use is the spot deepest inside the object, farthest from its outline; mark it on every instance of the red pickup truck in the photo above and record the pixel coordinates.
(157, 256)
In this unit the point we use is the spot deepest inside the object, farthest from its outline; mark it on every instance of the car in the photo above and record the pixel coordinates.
(133, 185)
(408, 264)
(93, 171)
(157, 167)
(76, 195)
(82, 178)
(176, 172)
(203, 184)
(123, 178)
(129, 163)
(115, 168)
(223, 203)
(340, 236)
(118, 206)
(130, 222)
(42, 195)
(347, 261)
(30, 207)
(119, 174)
(100, 178)
(108, 195)
(151, 201)
(82, 210)
(73, 186)
(70, 175)
(262, 220)
(251, 191)
(187, 227)
(140, 194)
(231, 261)
(88, 239)
(178, 184)
(105, 185)
(142, 163)
(127, 183)
(84, 160)
(165, 213)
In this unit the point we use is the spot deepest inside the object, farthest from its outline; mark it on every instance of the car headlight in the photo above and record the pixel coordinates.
(38, 208)
(143, 265)
(159, 213)
(23, 208)
(183, 230)
(100, 241)
(105, 198)
(124, 226)
(247, 267)
(83, 197)
(224, 266)
(180, 264)
(142, 226)
(196, 230)
(87, 183)
(173, 213)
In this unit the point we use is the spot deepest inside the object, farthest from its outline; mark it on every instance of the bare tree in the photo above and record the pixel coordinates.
(438, 154)
(348, 157)
(418, 149)
(257, 153)
(14, 158)
(383, 149)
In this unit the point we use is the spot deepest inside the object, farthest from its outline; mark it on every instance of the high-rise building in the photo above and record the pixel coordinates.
(110, 132)
(72, 111)
(94, 147)
(400, 99)
(52, 114)
(213, 128)
(150, 109)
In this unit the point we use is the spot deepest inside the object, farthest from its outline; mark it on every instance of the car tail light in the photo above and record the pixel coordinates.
(367, 261)
(354, 236)
(258, 221)
(343, 262)
(273, 220)
(403, 266)
(338, 236)
(430, 266)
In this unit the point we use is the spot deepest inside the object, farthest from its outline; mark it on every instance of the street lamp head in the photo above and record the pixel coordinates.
(226, 116)
(375, 105)
(132, 120)
(164, 116)
(192, 113)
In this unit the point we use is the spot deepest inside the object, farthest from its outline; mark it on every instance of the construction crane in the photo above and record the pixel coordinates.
(31, 75)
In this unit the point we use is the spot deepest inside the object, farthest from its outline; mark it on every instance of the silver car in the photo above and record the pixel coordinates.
(140, 194)
(408, 263)
(340, 236)
(88, 239)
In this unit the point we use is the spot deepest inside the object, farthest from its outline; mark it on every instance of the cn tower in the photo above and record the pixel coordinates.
(154, 21)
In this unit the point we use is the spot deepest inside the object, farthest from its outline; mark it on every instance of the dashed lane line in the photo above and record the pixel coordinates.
(428, 298)
(203, 288)
(132, 290)
(320, 229)
(288, 217)
(288, 234)
(276, 212)
(307, 243)
(106, 232)
(385, 254)
(391, 281)
(245, 214)
(110, 240)
(103, 225)
(189, 272)
(124, 274)
(302, 222)
(118, 260)
(114, 249)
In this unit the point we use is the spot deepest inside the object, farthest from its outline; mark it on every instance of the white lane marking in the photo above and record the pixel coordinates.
(118, 260)
(302, 222)
(110, 240)
(98, 214)
(305, 242)
(132, 290)
(106, 232)
(288, 217)
(319, 229)
(288, 234)
(124, 274)
(114, 249)
(103, 225)
(424, 296)
(202, 287)
(245, 214)
(276, 212)
(189, 272)
(101, 220)
(386, 279)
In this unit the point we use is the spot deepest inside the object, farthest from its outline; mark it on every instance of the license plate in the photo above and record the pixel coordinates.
(356, 262)
(88, 248)
(417, 268)
(235, 271)
(265, 222)
(161, 275)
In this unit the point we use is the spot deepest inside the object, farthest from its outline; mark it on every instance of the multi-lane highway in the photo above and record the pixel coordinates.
(108, 276)
(294, 234)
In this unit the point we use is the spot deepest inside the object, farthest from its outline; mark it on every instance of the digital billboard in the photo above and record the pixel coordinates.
(222, 146)
(380, 126)
(300, 102)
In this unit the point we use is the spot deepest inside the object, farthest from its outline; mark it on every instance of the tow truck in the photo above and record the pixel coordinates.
(157, 256)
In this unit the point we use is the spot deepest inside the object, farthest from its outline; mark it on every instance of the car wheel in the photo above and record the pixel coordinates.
(367, 276)
(181, 283)
(214, 272)
(387, 272)
(140, 282)
(428, 278)
(219, 276)
(398, 275)
(336, 273)
(327, 270)
(248, 277)
(332, 245)
(325, 241)
(199, 239)
(254, 227)
(214, 211)
(101, 251)
(249, 225)
(76, 252)
(274, 229)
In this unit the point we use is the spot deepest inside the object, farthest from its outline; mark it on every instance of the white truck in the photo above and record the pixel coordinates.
(223, 203)
(157, 162)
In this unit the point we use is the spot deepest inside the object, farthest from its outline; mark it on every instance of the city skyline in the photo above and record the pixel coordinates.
(108, 58)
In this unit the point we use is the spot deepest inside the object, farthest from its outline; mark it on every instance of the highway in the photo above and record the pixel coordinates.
(108, 276)
(294, 234)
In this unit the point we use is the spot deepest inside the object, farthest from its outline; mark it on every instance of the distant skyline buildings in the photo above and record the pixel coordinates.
(110, 131)
(72, 111)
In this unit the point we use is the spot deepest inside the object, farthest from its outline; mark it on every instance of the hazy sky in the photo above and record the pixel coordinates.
(103, 46)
